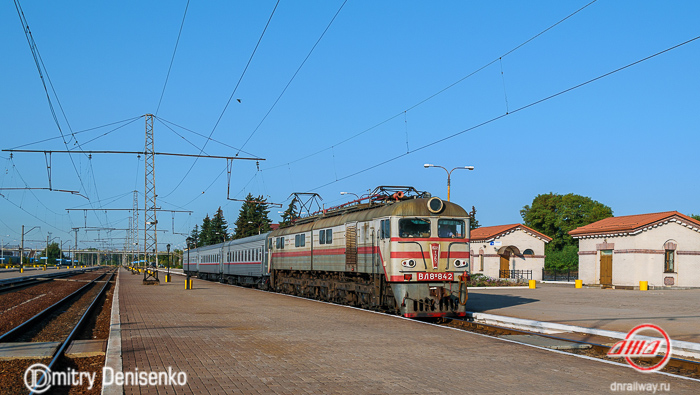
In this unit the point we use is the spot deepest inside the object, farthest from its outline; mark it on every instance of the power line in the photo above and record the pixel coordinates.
(164, 121)
(40, 65)
(82, 131)
(512, 112)
(229, 99)
(173, 58)
(436, 93)
(295, 74)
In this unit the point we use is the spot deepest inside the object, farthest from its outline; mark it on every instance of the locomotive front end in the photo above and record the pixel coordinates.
(428, 261)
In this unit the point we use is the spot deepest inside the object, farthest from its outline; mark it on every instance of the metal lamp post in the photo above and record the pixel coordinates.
(449, 174)
(167, 276)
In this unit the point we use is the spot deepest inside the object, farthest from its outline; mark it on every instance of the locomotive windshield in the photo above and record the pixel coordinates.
(451, 228)
(414, 227)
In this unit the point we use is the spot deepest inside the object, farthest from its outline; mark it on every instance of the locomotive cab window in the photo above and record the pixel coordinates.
(385, 229)
(280, 243)
(451, 228)
(414, 227)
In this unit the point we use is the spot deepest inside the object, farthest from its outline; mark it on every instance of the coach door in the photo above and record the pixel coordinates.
(351, 247)
(606, 267)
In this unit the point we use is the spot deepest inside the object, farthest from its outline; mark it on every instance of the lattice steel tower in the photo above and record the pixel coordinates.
(150, 239)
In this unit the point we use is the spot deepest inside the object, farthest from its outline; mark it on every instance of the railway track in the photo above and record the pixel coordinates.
(676, 366)
(53, 329)
(16, 283)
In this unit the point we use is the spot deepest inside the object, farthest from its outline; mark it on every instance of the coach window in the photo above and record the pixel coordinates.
(322, 237)
(668, 261)
(452, 228)
(414, 227)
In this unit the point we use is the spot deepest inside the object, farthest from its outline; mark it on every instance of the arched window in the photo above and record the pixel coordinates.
(528, 252)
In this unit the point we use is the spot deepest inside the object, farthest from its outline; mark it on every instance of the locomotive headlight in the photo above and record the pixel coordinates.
(461, 263)
(409, 263)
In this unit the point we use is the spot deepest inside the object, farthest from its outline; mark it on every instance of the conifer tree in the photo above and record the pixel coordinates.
(290, 215)
(205, 235)
(253, 218)
(218, 228)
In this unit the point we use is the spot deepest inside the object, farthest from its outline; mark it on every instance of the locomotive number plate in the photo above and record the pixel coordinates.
(422, 276)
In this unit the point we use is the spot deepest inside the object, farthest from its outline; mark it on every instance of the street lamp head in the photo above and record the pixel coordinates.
(469, 167)
(427, 165)
(168, 247)
(343, 193)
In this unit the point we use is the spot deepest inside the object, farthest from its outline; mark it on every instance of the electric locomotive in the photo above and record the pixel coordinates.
(405, 252)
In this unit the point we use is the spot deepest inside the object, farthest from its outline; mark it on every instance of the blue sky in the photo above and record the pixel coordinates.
(628, 140)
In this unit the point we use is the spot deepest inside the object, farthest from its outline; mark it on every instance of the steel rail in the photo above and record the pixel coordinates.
(14, 331)
(16, 283)
(64, 345)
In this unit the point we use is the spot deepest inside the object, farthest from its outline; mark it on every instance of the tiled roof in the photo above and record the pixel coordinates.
(489, 232)
(633, 223)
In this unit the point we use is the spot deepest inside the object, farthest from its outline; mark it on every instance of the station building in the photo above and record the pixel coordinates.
(660, 248)
(508, 251)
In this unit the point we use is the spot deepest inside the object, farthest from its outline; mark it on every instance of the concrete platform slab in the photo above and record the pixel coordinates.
(675, 311)
(86, 348)
(9, 351)
(236, 340)
(546, 342)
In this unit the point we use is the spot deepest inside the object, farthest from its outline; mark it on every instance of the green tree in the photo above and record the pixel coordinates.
(194, 238)
(555, 215)
(52, 253)
(253, 218)
(218, 228)
(290, 214)
(205, 235)
(473, 222)
(695, 216)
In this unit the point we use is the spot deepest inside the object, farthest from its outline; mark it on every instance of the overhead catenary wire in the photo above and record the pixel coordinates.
(173, 57)
(250, 59)
(510, 113)
(443, 90)
(82, 131)
(165, 121)
(294, 75)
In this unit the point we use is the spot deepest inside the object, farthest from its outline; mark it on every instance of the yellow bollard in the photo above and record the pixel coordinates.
(533, 284)
(579, 283)
(21, 270)
(644, 285)
(167, 278)
(188, 283)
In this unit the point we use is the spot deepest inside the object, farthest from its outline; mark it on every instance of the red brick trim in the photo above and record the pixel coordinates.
(639, 252)
(605, 246)
(688, 252)
(587, 252)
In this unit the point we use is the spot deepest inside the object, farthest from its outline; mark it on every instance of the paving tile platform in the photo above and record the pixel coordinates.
(232, 340)
(675, 311)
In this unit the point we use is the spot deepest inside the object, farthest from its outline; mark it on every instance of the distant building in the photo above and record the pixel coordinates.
(661, 248)
(508, 251)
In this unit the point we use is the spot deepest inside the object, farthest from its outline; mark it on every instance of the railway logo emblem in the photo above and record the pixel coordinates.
(435, 254)
(630, 348)
(37, 378)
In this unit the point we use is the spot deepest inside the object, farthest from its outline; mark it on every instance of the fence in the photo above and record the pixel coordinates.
(516, 274)
(559, 275)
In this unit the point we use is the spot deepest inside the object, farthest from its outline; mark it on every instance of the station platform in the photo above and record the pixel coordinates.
(675, 311)
(237, 340)
(32, 271)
